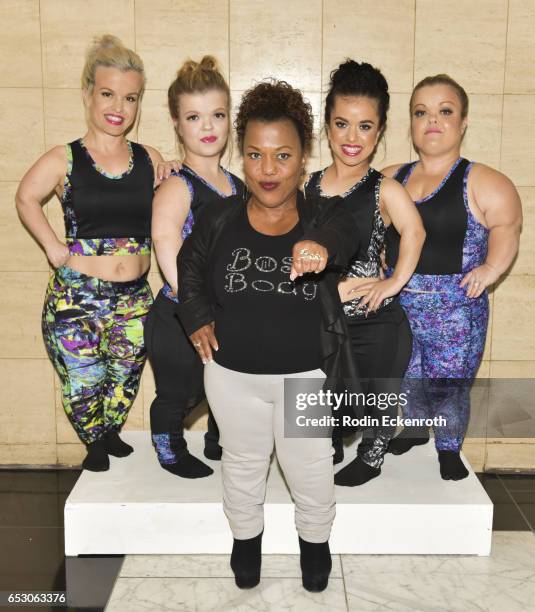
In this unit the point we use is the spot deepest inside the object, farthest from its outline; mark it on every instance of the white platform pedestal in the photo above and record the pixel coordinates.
(138, 508)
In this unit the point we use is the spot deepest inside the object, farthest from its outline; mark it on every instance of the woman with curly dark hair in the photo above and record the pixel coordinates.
(257, 315)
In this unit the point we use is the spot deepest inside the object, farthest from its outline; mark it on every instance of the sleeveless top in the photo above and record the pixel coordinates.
(362, 201)
(202, 193)
(107, 214)
(455, 240)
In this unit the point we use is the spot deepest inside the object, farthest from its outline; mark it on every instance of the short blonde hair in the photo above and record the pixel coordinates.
(109, 51)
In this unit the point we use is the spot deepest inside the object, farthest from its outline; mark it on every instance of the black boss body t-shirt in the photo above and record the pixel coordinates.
(264, 323)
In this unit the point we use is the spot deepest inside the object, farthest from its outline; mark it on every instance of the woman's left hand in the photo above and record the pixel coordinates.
(478, 279)
(374, 292)
(164, 169)
(308, 256)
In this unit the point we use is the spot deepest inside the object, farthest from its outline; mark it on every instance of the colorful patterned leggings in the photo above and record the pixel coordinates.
(449, 332)
(93, 331)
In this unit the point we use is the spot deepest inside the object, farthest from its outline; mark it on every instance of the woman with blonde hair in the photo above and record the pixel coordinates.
(98, 297)
(199, 105)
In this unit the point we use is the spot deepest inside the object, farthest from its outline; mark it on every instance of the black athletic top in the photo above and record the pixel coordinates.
(202, 194)
(362, 201)
(264, 323)
(445, 219)
(107, 214)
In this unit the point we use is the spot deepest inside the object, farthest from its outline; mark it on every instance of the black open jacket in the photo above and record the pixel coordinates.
(331, 226)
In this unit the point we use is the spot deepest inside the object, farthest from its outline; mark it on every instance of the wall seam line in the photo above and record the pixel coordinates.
(45, 146)
(493, 304)
(413, 67)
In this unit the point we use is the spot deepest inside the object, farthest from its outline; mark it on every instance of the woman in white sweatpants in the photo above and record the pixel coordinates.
(257, 314)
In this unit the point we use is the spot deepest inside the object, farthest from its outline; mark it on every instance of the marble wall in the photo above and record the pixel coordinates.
(487, 45)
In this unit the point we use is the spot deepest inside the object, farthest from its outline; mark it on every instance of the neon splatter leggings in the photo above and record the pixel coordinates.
(93, 331)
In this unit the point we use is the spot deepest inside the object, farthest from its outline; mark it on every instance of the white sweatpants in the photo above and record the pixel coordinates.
(249, 410)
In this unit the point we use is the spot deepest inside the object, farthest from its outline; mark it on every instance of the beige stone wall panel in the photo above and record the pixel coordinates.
(28, 454)
(20, 315)
(484, 369)
(168, 32)
(20, 30)
(26, 402)
(525, 260)
(64, 116)
(21, 126)
(512, 369)
(18, 250)
(71, 454)
(518, 139)
(155, 126)
(513, 334)
(380, 33)
(475, 453)
(482, 142)
(281, 40)
(511, 455)
(519, 74)
(464, 39)
(68, 29)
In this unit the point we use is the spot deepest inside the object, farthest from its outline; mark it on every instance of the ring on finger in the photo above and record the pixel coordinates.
(197, 344)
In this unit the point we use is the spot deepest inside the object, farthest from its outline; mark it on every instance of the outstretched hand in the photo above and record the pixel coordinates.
(308, 256)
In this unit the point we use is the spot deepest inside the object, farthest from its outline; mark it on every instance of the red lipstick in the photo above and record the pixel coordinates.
(268, 186)
(209, 139)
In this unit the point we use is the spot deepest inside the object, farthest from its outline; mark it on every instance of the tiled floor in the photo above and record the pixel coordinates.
(31, 545)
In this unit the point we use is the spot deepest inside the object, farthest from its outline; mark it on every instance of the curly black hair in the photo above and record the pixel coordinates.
(275, 100)
(354, 79)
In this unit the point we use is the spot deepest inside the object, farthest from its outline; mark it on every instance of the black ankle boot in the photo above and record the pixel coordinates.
(246, 560)
(97, 458)
(316, 565)
(115, 446)
(213, 451)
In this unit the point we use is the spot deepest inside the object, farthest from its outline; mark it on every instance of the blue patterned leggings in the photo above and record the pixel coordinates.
(449, 332)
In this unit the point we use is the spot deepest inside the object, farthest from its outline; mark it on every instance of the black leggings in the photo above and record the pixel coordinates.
(382, 346)
(178, 373)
